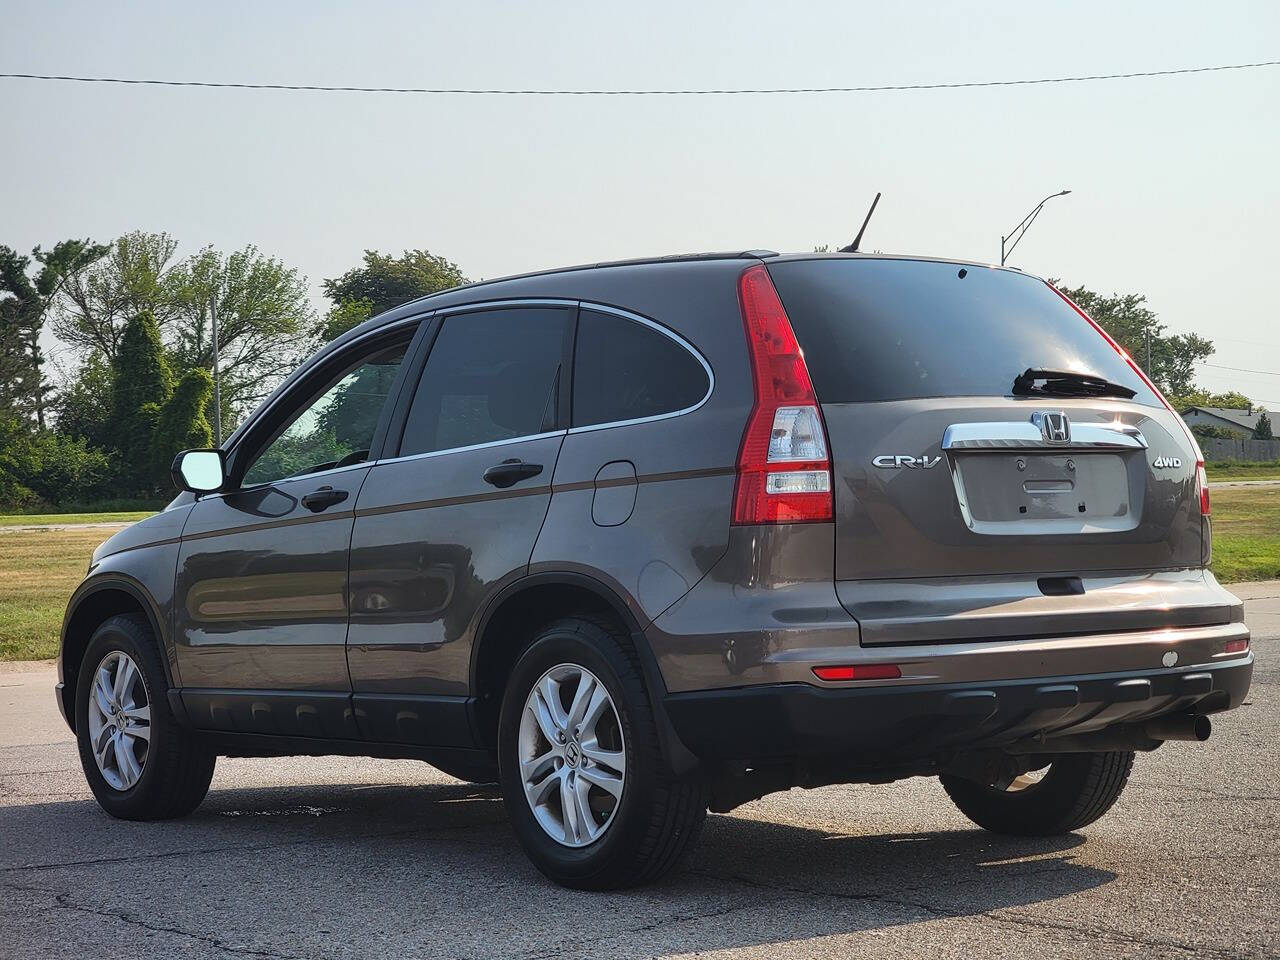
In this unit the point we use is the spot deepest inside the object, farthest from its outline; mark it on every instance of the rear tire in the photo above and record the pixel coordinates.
(1077, 789)
(173, 769)
(654, 818)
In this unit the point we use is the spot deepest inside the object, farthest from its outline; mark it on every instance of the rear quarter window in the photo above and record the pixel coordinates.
(906, 329)
(627, 370)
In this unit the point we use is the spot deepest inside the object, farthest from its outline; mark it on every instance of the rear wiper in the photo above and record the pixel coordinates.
(1067, 383)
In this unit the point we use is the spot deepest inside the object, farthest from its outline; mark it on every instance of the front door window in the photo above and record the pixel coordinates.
(336, 428)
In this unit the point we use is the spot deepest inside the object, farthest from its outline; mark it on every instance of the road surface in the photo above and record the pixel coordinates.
(360, 858)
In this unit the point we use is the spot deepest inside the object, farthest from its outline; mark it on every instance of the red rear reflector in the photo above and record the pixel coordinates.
(784, 469)
(1235, 646)
(865, 671)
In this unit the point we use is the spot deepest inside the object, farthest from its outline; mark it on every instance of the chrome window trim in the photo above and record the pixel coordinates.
(667, 332)
(473, 446)
(1024, 435)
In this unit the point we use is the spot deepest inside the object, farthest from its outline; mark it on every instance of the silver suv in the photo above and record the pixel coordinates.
(636, 540)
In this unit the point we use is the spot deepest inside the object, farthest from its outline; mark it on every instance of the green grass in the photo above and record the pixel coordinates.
(1246, 533)
(119, 505)
(40, 568)
(38, 571)
(36, 519)
(1237, 470)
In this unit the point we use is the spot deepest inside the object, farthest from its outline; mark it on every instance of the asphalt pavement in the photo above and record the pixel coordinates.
(336, 857)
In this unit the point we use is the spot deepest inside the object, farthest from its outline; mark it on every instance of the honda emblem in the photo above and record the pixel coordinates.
(1054, 426)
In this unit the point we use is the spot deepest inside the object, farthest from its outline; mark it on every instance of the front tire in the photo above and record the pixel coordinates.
(1076, 790)
(583, 778)
(140, 763)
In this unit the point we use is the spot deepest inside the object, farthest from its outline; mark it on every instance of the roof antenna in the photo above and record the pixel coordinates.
(853, 247)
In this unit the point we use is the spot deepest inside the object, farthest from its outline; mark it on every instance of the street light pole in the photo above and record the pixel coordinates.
(1020, 231)
(217, 395)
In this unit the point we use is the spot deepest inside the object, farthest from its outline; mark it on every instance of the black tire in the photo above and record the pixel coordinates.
(1077, 789)
(177, 770)
(658, 816)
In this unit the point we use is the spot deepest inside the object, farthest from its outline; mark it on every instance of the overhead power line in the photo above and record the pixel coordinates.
(707, 92)
(1219, 366)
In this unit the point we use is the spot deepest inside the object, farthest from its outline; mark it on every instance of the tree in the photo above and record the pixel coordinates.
(386, 281)
(263, 317)
(83, 406)
(141, 385)
(1127, 318)
(1197, 397)
(137, 273)
(343, 316)
(182, 424)
(1262, 429)
(25, 308)
(264, 314)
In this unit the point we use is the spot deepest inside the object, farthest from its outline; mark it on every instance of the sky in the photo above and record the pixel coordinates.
(1174, 180)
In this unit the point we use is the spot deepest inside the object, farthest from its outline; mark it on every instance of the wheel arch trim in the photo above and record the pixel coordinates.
(114, 582)
(679, 757)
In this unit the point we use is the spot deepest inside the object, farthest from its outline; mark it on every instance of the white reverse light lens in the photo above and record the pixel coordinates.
(798, 481)
(797, 435)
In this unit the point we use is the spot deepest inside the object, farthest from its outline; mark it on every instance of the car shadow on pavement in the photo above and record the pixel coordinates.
(435, 870)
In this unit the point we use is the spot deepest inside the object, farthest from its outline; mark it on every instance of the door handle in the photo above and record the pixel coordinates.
(322, 498)
(511, 471)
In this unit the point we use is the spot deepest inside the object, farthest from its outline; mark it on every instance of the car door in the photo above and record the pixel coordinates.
(454, 515)
(261, 587)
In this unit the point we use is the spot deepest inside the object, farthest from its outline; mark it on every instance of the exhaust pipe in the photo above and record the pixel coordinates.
(1187, 726)
(1145, 736)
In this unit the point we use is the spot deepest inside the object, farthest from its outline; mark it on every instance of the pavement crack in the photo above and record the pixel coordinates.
(691, 916)
(1203, 791)
(63, 902)
(435, 836)
(935, 911)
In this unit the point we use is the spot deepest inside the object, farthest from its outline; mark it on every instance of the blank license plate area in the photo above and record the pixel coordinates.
(1045, 492)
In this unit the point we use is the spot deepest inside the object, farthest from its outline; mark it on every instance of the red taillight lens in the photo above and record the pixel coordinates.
(1235, 646)
(864, 671)
(784, 471)
(1202, 484)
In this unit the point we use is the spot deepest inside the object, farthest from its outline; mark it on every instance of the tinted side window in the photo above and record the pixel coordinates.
(490, 376)
(624, 370)
(337, 427)
(900, 329)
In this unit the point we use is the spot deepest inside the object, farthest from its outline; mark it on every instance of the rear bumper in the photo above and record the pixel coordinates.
(877, 724)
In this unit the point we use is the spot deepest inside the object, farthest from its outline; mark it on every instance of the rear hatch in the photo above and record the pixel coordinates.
(968, 506)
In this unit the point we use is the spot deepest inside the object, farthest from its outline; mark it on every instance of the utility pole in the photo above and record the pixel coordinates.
(1020, 231)
(1148, 367)
(217, 395)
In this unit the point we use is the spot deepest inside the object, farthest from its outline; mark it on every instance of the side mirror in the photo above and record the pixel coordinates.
(199, 471)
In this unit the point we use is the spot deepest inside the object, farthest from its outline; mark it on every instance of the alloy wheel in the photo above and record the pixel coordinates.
(573, 760)
(119, 720)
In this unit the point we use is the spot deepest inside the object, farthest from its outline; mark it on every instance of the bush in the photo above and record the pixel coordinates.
(68, 469)
(1205, 432)
(40, 468)
(182, 424)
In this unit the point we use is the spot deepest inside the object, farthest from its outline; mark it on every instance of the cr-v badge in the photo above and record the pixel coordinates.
(890, 462)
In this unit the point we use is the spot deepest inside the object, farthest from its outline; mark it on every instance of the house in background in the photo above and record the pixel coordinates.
(1238, 420)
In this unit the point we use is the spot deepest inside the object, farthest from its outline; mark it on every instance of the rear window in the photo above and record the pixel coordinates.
(904, 329)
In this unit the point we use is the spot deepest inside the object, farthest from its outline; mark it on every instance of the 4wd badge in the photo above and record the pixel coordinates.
(1166, 463)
